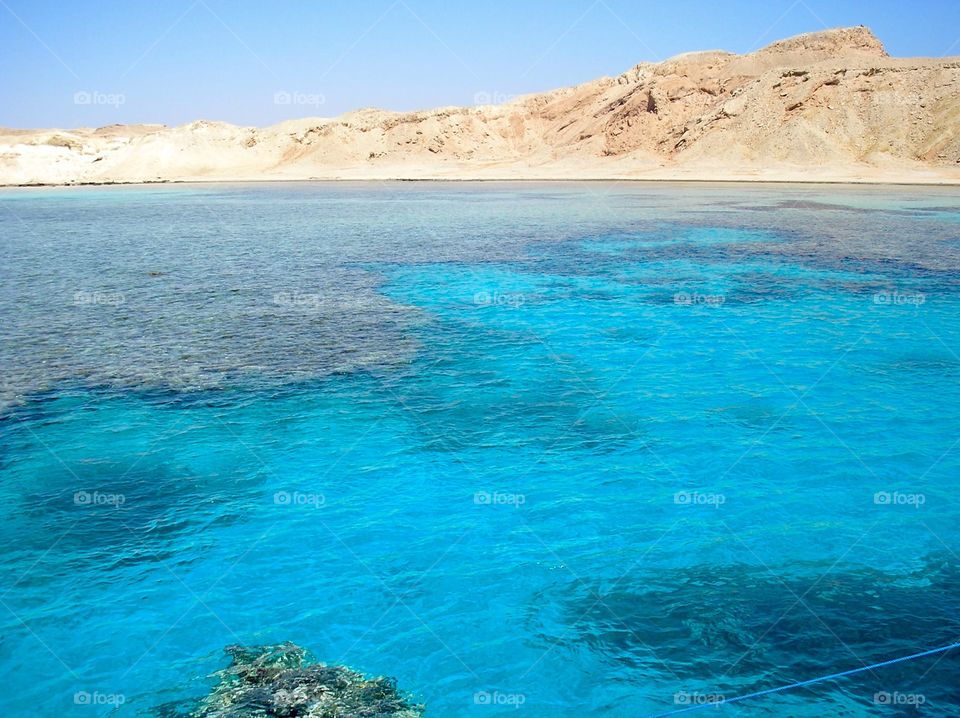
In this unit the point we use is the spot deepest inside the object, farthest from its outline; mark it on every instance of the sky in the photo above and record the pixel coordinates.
(71, 63)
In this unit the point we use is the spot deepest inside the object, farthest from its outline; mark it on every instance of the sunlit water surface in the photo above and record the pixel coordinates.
(544, 450)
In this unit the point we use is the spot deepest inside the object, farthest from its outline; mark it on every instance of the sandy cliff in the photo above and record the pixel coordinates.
(824, 106)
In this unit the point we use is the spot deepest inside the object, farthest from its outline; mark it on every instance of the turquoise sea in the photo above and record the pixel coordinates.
(576, 450)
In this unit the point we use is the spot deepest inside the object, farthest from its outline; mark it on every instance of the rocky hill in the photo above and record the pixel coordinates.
(823, 106)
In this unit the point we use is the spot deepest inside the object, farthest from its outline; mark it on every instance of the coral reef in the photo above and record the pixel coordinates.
(284, 681)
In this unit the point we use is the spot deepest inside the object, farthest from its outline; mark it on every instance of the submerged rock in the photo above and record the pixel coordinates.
(284, 681)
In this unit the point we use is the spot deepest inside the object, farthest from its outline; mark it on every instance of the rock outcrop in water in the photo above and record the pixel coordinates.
(283, 681)
(828, 105)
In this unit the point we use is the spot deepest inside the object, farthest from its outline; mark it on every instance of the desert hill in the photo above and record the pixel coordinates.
(829, 105)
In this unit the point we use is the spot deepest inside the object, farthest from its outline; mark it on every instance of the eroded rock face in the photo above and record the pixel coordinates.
(284, 681)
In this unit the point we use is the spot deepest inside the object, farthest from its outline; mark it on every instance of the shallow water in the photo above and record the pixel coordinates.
(573, 449)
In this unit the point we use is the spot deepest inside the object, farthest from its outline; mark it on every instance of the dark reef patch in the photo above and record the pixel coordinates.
(284, 681)
(736, 625)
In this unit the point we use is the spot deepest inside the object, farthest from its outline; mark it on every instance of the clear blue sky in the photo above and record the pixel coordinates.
(70, 63)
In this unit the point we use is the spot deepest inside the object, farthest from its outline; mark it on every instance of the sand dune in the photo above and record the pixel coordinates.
(827, 106)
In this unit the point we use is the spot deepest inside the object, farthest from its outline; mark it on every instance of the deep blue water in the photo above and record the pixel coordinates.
(581, 449)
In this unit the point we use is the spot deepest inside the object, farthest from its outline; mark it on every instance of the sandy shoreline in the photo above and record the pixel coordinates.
(857, 181)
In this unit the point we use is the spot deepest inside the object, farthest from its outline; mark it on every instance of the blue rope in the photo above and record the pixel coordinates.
(832, 676)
